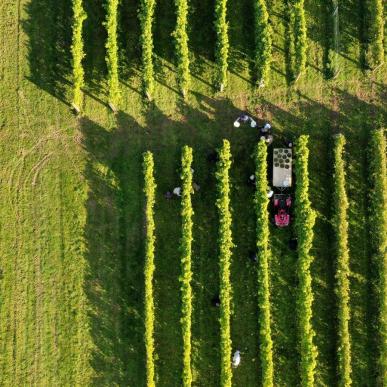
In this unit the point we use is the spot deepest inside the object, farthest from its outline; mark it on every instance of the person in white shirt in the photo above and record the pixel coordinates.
(244, 118)
(236, 359)
(177, 191)
(265, 129)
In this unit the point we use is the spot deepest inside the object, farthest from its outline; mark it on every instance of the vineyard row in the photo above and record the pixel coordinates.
(297, 45)
(304, 224)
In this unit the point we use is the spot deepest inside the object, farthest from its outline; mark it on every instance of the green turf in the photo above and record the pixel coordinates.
(72, 224)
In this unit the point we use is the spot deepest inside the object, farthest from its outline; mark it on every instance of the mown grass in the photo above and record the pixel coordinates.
(72, 233)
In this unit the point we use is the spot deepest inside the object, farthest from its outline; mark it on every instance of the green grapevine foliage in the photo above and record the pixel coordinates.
(222, 43)
(186, 251)
(150, 187)
(79, 16)
(378, 238)
(304, 223)
(181, 43)
(147, 10)
(112, 52)
(263, 246)
(262, 42)
(225, 245)
(340, 224)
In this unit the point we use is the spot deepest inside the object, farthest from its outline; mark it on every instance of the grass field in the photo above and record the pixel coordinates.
(71, 194)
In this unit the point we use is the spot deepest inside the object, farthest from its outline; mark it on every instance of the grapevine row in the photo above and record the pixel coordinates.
(332, 53)
(181, 44)
(222, 42)
(225, 246)
(378, 238)
(340, 225)
(79, 16)
(112, 52)
(304, 223)
(150, 187)
(375, 52)
(262, 42)
(298, 30)
(186, 272)
(147, 10)
(263, 246)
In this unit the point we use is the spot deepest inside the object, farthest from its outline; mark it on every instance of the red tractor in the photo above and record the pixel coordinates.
(282, 204)
(282, 182)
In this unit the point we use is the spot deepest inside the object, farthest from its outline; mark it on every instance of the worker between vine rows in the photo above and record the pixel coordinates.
(177, 191)
(196, 187)
(265, 133)
(288, 144)
(252, 180)
(236, 359)
(270, 192)
(213, 157)
(253, 256)
(265, 129)
(268, 139)
(244, 119)
(215, 301)
(293, 243)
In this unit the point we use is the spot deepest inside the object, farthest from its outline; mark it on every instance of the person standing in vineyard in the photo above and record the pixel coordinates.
(265, 133)
(244, 119)
(177, 191)
(236, 359)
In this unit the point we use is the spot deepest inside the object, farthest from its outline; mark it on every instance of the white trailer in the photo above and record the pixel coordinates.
(282, 168)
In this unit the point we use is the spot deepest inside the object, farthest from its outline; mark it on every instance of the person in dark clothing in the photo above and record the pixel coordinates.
(288, 143)
(269, 139)
(168, 195)
(196, 187)
(265, 130)
(252, 180)
(215, 301)
(244, 118)
(265, 133)
(213, 157)
(293, 243)
(253, 256)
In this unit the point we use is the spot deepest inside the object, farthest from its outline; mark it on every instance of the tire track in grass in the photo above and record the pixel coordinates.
(71, 251)
(35, 303)
(13, 349)
(9, 120)
(54, 311)
(20, 219)
(22, 261)
(111, 254)
(37, 351)
(45, 284)
(25, 311)
(43, 280)
(40, 311)
(25, 300)
(45, 122)
(31, 356)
